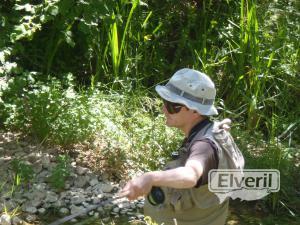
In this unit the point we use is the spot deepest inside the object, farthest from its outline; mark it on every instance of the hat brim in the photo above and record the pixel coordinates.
(165, 93)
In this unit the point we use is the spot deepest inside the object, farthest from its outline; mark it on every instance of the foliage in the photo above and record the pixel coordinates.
(60, 172)
(55, 112)
(260, 154)
(23, 171)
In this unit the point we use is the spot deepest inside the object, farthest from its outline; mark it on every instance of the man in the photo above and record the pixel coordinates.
(179, 194)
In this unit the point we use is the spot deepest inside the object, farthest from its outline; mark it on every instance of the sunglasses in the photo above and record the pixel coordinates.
(172, 107)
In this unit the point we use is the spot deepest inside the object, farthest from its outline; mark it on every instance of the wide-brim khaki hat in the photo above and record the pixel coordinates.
(191, 88)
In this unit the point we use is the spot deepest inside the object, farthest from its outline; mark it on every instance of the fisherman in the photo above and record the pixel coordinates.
(179, 193)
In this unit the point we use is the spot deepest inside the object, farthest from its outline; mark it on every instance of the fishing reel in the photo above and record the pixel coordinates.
(156, 196)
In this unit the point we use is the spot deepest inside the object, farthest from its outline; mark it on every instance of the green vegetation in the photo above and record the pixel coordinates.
(23, 172)
(78, 71)
(60, 172)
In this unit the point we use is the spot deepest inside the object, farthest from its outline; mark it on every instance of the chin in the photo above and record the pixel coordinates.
(169, 123)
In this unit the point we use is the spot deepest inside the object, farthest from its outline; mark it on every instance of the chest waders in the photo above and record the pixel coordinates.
(197, 206)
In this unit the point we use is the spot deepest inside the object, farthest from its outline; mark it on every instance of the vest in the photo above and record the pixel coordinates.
(198, 205)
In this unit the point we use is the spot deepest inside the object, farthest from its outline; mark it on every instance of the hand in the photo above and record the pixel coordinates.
(225, 124)
(139, 186)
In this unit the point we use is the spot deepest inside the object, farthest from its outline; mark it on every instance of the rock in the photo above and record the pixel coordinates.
(85, 204)
(124, 205)
(30, 218)
(58, 204)
(37, 167)
(81, 181)
(140, 205)
(64, 211)
(81, 170)
(51, 197)
(97, 189)
(78, 199)
(46, 161)
(5, 219)
(43, 176)
(30, 209)
(42, 211)
(96, 200)
(108, 207)
(40, 187)
(16, 221)
(94, 181)
(106, 187)
(67, 185)
(76, 209)
(116, 210)
(106, 219)
(35, 203)
(101, 210)
(33, 157)
(130, 213)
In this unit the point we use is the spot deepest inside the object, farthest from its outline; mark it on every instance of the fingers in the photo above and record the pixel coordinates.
(123, 193)
(225, 124)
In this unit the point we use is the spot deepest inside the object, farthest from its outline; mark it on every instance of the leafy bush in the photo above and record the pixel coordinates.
(53, 111)
(23, 171)
(60, 172)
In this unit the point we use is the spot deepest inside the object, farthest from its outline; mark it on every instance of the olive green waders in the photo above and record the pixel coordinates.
(215, 215)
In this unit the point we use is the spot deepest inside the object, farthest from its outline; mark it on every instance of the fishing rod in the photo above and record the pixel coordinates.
(74, 215)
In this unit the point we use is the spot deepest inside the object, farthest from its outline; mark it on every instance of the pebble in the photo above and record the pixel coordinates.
(42, 211)
(5, 219)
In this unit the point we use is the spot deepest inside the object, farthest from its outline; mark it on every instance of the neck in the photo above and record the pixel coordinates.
(187, 128)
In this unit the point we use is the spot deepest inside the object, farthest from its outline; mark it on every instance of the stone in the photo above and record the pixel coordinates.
(106, 219)
(77, 199)
(124, 205)
(46, 161)
(5, 219)
(108, 207)
(96, 200)
(64, 211)
(43, 176)
(140, 205)
(81, 181)
(101, 210)
(94, 181)
(116, 210)
(97, 189)
(42, 211)
(33, 157)
(37, 167)
(30, 218)
(81, 170)
(58, 204)
(51, 197)
(16, 221)
(106, 187)
(76, 209)
(30, 209)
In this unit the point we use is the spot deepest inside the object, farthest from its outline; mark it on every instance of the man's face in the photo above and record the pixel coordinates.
(179, 119)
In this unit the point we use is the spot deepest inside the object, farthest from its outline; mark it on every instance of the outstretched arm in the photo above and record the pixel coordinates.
(181, 177)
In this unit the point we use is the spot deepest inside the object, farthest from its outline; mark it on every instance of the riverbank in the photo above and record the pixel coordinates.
(52, 184)
(49, 186)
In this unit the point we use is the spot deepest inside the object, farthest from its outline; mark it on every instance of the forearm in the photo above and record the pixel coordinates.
(181, 177)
